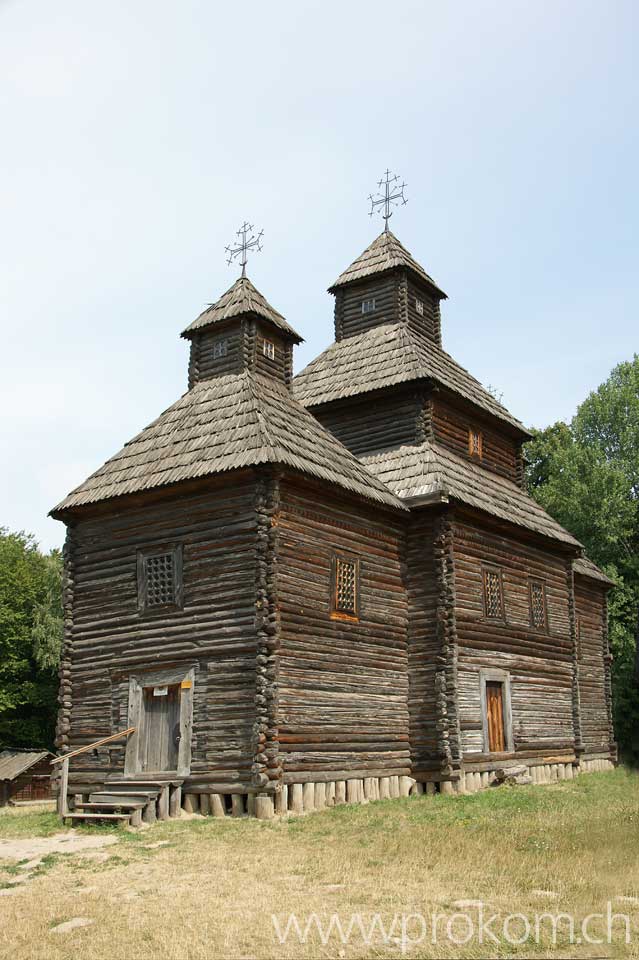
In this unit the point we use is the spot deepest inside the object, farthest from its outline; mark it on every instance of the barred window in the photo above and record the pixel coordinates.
(368, 306)
(493, 593)
(268, 349)
(160, 579)
(475, 443)
(220, 348)
(346, 586)
(419, 306)
(538, 608)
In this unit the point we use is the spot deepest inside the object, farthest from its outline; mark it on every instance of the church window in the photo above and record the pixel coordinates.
(419, 306)
(475, 443)
(538, 605)
(368, 306)
(345, 601)
(160, 579)
(220, 348)
(268, 349)
(493, 593)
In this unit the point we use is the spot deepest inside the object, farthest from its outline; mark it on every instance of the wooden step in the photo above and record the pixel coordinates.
(112, 796)
(97, 816)
(142, 784)
(110, 804)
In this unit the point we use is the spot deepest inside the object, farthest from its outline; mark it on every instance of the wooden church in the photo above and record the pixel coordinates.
(291, 592)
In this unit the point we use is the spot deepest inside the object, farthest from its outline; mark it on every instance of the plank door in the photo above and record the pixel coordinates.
(160, 733)
(495, 716)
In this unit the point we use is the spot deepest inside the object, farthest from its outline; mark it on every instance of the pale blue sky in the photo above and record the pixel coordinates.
(136, 135)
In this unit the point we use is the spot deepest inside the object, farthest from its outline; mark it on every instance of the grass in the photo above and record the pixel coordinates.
(212, 889)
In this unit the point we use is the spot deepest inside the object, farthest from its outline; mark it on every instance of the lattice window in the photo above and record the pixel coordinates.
(346, 586)
(493, 594)
(538, 613)
(475, 443)
(160, 578)
(419, 306)
(268, 349)
(368, 306)
(220, 348)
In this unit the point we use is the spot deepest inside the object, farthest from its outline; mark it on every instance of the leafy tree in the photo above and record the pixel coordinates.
(30, 640)
(586, 474)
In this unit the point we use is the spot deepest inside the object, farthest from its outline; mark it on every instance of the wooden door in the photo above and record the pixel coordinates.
(160, 733)
(495, 716)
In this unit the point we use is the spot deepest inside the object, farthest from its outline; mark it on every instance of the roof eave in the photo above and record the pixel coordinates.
(347, 281)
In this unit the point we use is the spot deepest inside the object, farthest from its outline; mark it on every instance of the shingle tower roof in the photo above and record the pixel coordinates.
(384, 253)
(241, 298)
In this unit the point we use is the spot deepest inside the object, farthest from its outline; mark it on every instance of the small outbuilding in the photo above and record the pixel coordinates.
(25, 775)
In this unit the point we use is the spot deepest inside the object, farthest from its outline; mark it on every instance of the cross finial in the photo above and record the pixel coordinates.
(390, 197)
(248, 241)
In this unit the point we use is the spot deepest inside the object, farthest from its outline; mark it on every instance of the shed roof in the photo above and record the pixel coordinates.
(586, 568)
(384, 356)
(226, 423)
(431, 470)
(241, 298)
(15, 762)
(384, 253)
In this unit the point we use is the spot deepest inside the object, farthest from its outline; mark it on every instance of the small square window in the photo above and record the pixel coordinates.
(268, 349)
(538, 606)
(220, 348)
(368, 306)
(160, 579)
(419, 306)
(345, 587)
(493, 594)
(475, 443)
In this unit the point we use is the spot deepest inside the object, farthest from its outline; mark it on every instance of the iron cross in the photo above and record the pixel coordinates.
(248, 241)
(390, 197)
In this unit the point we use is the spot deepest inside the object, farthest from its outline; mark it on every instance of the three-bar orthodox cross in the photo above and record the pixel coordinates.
(248, 241)
(390, 197)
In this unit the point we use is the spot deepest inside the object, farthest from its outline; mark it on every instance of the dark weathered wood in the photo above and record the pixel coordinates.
(275, 691)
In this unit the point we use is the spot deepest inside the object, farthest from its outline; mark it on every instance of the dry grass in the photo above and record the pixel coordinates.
(211, 890)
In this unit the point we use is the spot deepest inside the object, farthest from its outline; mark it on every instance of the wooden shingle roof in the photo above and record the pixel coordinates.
(15, 762)
(382, 357)
(241, 298)
(227, 423)
(586, 568)
(431, 471)
(384, 253)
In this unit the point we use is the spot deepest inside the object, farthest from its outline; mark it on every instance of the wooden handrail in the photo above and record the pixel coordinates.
(92, 746)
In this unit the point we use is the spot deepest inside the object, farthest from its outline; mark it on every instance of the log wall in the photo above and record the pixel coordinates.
(593, 666)
(214, 632)
(450, 427)
(540, 662)
(373, 423)
(343, 685)
(349, 319)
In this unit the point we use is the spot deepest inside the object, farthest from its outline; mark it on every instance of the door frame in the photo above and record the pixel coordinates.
(503, 677)
(160, 678)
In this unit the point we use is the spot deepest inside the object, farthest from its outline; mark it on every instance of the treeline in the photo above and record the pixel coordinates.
(31, 627)
(586, 475)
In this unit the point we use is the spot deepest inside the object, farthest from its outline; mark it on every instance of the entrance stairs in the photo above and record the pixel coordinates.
(129, 801)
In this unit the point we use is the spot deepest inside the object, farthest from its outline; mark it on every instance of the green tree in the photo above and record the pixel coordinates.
(30, 640)
(586, 474)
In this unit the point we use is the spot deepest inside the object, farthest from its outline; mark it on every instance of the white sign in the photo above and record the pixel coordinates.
(160, 691)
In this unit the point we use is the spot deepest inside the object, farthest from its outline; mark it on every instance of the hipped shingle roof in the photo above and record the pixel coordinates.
(241, 298)
(384, 253)
(227, 423)
(586, 568)
(382, 357)
(432, 471)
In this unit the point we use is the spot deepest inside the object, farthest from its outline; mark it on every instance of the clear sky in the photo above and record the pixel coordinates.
(136, 136)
